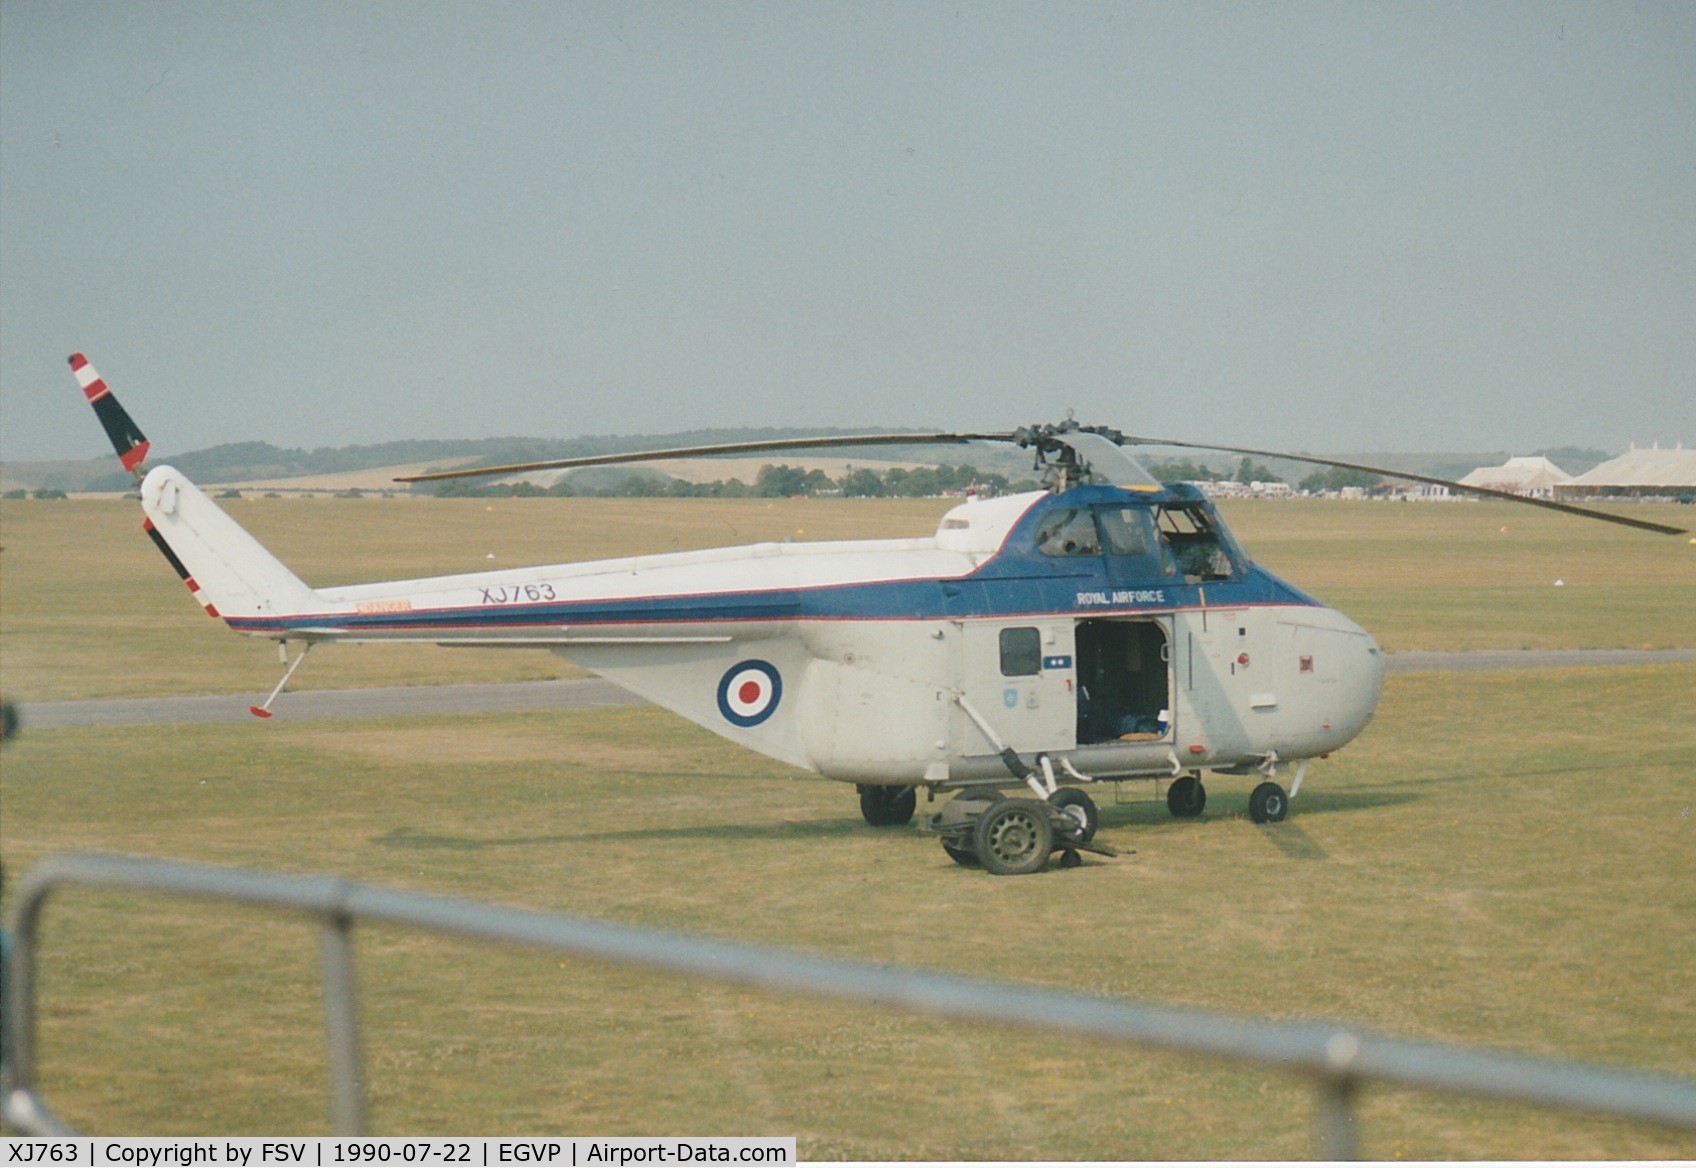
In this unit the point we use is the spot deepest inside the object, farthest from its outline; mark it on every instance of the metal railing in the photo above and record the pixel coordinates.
(1337, 1060)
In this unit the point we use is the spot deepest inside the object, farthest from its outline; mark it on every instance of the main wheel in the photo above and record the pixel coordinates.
(1186, 797)
(1081, 810)
(888, 806)
(1013, 837)
(1268, 803)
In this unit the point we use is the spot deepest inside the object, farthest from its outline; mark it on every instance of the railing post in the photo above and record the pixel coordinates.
(1334, 1129)
(1333, 1118)
(17, 1012)
(341, 1023)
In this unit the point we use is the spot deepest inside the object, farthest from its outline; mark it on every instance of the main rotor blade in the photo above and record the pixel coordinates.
(1550, 504)
(760, 447)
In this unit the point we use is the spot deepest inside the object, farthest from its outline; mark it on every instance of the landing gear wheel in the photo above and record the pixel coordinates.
(888, 806)
(1079, 808)
(1186, 797)
(980, 794)
(1070, 859)
(964, 857)
(1013, 838)
(1268, 803)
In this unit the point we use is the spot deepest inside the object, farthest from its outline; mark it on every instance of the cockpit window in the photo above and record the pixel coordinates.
(1125, 529)
(1135, 550)
(1200, 551)
(1068, 532)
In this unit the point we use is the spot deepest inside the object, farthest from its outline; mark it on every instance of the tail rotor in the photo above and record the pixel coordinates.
(127, 439)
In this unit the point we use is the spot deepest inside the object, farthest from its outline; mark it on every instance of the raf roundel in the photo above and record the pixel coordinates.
(748, 692)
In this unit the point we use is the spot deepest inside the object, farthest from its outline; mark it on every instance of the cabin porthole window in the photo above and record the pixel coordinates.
(1021, 652)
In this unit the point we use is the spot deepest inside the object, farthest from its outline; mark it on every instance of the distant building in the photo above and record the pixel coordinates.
(1223, 489)
(1531, 475)
(1424, 492)
(1651, 473)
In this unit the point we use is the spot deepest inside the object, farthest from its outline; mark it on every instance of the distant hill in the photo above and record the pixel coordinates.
(248, 461)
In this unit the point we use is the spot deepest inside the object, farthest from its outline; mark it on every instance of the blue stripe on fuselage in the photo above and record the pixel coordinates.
(1019, 581)
(1082, 594)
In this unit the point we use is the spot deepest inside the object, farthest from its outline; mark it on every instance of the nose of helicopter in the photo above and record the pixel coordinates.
(1347, 668)
(1362, 682)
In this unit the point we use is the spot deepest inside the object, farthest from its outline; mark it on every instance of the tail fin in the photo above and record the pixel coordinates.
(127, 439)
(229, 572)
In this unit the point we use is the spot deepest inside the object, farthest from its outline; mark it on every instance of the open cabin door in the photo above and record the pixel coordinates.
(1124, 674)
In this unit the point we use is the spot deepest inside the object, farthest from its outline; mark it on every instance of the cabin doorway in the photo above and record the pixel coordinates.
(1124, 681)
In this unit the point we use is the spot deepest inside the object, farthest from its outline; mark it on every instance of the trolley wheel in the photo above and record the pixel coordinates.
(1268, 803)
(1013, 837)
(1081, 810)
(1186, 797)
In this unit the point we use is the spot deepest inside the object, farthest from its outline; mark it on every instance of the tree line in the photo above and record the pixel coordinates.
(1248, 471)
(774, 481)
(781, 481)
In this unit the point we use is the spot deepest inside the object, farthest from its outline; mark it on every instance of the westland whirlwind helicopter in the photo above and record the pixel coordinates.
(1106, 628)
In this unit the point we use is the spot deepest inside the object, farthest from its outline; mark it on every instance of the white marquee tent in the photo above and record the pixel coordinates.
(1651, 471)
(1523, 476)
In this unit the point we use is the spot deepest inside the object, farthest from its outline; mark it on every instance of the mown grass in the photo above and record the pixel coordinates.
(90, 610)
(1482, 575)
(1504, 859)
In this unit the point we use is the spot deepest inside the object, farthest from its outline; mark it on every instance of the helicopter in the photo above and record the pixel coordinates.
(1106, 628)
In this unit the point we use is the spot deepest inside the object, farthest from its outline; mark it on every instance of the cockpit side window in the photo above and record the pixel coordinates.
(1125, 530)
(1068, 532)
(1134, 549)
(1196, 543)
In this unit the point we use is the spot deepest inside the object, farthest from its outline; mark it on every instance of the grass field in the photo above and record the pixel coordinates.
(1506, 859)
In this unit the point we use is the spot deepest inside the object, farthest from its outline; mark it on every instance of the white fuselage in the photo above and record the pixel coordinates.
(886, 661)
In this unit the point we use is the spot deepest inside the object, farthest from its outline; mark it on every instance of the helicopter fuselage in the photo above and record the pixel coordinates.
(1122, 632)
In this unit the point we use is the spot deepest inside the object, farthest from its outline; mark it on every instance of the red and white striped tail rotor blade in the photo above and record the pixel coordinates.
(127, 439)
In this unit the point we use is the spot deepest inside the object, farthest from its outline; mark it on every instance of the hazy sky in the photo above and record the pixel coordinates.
(1329, 227)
